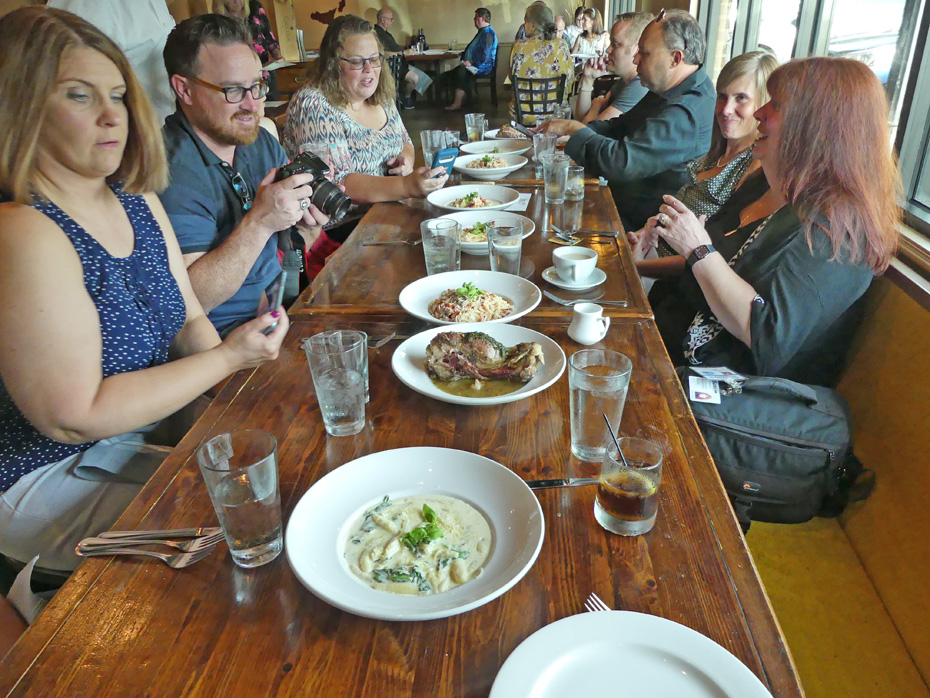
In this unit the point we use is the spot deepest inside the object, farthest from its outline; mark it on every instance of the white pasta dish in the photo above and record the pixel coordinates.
(469, 304)
(419, 545)
(473, 200)
(488, 162)
(477, 232)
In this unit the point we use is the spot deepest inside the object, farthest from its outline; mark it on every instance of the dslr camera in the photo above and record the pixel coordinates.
(326, 196)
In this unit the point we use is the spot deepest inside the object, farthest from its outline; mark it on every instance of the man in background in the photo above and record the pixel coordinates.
(628, 90)
(415, 79)
(560, 30)
(643, 152)
(478, 58)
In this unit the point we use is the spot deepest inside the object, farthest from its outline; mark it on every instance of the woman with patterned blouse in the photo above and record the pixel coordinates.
(741, 91)
(349, 108)
(263, 40)
(593, 40)
(541, 55)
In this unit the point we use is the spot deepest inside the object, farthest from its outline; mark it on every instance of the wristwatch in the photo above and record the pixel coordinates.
(699, 253)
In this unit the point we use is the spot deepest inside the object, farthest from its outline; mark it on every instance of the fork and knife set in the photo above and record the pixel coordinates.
(192, 544)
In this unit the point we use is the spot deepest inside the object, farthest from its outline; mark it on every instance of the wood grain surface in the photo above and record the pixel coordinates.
(362, 279)
(133, 627)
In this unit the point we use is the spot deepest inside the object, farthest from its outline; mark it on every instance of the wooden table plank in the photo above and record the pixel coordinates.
(131, 627)
(363, 279)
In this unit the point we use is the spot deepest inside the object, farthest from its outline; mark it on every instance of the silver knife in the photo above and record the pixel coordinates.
(561, 482)
(173, 533)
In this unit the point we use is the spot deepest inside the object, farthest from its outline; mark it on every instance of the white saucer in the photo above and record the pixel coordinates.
(595, 278)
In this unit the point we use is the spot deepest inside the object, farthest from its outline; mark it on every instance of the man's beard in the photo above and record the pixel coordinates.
(229, 132)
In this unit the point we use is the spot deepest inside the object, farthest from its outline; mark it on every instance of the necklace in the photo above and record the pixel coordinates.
(761, 207)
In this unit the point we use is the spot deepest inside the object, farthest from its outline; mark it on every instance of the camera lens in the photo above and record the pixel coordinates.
(329, 199)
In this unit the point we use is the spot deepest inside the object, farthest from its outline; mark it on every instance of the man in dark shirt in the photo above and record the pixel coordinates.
(415, 79)
(643, 152)
(222, 202)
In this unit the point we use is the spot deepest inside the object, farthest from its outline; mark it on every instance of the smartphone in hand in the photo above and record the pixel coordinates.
(271, 299)
(522, 129)
(445, 158)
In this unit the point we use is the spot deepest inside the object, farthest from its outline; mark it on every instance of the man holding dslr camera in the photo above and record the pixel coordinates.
(223, 202)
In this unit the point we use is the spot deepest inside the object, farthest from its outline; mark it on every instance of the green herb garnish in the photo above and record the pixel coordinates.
(425, 532)
(469, 290)
(496, 150)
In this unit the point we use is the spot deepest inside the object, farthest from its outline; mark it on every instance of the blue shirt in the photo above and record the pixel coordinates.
(204, 208)
(482, 51)
(140, 308)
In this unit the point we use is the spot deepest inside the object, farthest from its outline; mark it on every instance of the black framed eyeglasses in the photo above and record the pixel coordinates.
(359, 63)
(234, 95)
(239, 186)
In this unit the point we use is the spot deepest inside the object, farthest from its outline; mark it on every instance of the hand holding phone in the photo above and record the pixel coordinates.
(445, 158)
(271, 299)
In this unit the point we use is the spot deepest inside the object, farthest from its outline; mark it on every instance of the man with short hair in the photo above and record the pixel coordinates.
(628, 90)
(643, 152)
(415, 79)
(560, 30)
(223, 204)
(478, 58)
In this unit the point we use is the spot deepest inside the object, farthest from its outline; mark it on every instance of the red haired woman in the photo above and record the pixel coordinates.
(782, 302)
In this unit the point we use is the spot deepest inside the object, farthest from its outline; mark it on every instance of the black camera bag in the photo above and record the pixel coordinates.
(783, 449)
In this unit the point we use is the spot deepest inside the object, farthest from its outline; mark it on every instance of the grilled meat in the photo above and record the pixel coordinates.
(454, 355)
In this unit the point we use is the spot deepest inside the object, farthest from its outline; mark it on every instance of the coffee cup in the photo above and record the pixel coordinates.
(574, 264)
(588, 326)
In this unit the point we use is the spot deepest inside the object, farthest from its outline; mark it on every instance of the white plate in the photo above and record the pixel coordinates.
(492, 134)
(584, 56)
(443, 197)
(319, 526)
(514, 163)
(416, 296)
(609, 653)
(595, 278)
(469, 218)
(510, 146)
(409, 362)
(433, 52)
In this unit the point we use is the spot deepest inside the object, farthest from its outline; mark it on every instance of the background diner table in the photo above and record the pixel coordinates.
(364, 279)
(132, 626)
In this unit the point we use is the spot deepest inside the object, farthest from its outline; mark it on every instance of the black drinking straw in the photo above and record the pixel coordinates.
(616, 443)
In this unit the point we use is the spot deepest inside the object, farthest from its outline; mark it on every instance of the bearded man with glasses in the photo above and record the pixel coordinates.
(222, 201)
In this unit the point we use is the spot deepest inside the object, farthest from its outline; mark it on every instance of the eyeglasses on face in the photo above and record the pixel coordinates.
(239, 185)
(359, 63)
(234, 95)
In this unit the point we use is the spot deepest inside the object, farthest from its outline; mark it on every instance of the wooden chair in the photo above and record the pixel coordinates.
(398, 67)
(536, 96)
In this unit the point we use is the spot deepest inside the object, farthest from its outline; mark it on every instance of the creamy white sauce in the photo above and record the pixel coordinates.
(377, 553)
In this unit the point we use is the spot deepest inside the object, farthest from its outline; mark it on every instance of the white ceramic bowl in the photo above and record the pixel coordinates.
(514, 163)
(509, 146)
(444, 197)
(504, 218)
(492, 134)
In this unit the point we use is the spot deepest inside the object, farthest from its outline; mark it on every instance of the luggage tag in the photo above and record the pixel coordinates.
(721, 373)
(703, 390)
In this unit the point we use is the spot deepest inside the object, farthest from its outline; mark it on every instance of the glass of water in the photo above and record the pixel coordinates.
(240, 470)
(504, 247)
(598, 380)
(441, 246)
(555, 176)
(432, 142)
(474, 127)
(339, 365)
(543, 143)
(574, 183)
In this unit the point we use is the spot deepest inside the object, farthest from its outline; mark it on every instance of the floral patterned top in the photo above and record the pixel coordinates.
(263, 40)
(541, 58)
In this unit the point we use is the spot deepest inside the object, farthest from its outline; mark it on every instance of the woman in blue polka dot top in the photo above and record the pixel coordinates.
(102, 334)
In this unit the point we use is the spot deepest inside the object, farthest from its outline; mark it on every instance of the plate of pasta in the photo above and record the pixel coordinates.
(488, 165)
(510, 146)
(463, 197)
(470, 296)
(474, 237)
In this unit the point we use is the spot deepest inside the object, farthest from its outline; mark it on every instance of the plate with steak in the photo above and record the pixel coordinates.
(480, 363)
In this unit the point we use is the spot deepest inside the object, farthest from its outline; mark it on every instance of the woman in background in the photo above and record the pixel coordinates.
(593, 40)
(541, 55)
(103, 335)
(263, 40)
(783, 302)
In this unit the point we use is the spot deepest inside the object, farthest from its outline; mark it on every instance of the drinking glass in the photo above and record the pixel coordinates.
(339, 365)
(441, 246)
(474, 127)
(240, 470)
(574, 183)
(504, 247)
(628, 493)
(562, 111)
(555, 175)
(598, 380)
(543, 143)
(433, 142)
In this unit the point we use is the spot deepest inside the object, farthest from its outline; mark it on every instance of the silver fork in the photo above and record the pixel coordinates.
(594, 603)
(412, 243)
(563, 301)
(188, 546)
(177, 560)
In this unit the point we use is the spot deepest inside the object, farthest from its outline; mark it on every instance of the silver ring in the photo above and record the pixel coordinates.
(664, 219)
(305, 204)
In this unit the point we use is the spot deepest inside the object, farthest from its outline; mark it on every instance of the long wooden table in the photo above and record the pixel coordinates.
(132, 627)
(362, 279)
